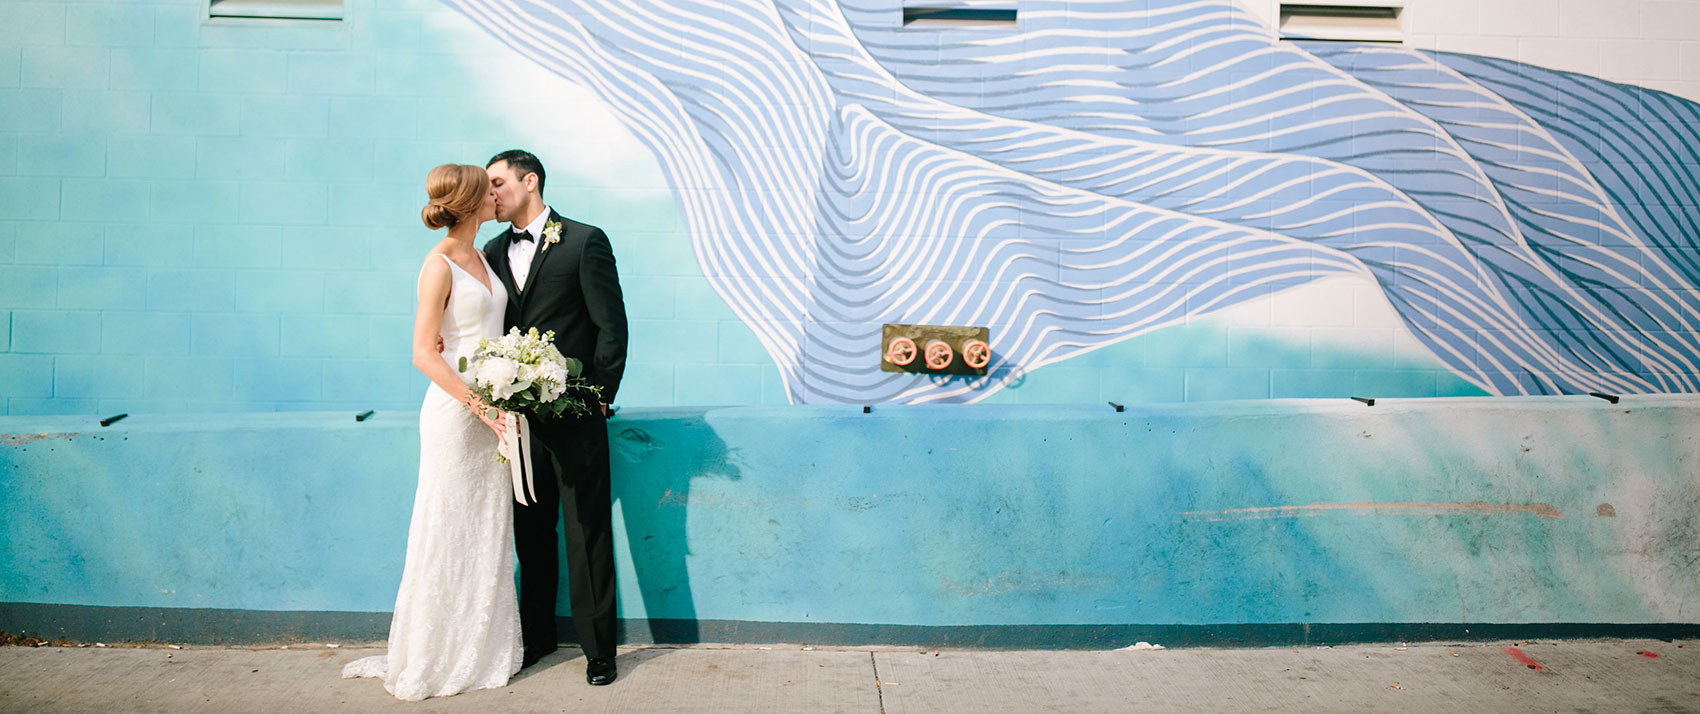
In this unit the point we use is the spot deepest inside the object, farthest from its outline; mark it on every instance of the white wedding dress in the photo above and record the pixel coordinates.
(456, 622)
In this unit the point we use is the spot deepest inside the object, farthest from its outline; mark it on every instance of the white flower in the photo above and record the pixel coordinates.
(499, 374)
(552, 371)
(551, 234)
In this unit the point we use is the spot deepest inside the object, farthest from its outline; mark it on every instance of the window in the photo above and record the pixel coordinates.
(1343, 21)
(278, 9)
(959, 15)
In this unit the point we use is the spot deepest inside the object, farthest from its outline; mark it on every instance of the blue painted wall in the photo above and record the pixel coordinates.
(1146, 200)
(1554, 510)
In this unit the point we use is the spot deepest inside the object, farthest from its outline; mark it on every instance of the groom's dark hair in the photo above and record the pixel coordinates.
(522, 162)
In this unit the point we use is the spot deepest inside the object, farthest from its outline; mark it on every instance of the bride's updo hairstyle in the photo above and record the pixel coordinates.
(456, 192)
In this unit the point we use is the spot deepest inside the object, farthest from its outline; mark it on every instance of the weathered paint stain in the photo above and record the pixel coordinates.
(1315, 509)
(21, 439)
(1003, 531)
(1605, 510)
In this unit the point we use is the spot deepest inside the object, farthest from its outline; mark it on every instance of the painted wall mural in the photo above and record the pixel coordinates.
(1110, 168)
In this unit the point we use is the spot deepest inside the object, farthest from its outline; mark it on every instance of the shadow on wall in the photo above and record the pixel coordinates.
(997, 526)
(653, 466)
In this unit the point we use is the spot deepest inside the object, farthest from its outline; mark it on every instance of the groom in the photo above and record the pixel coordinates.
(560, 276)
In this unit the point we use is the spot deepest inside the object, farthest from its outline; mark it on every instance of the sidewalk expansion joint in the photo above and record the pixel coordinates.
(878, 688)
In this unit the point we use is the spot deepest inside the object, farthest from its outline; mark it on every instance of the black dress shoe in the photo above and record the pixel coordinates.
(534, 654)
(600, 671)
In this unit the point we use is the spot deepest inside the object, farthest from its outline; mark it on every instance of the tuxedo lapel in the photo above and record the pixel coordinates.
(504, 272)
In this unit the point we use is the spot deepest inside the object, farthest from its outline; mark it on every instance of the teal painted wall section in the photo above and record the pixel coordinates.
(1554, 510)
(223, 215)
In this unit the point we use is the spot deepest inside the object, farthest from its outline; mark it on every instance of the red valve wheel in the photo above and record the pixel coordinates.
(976, 353)
(939, 354)
(900, 351)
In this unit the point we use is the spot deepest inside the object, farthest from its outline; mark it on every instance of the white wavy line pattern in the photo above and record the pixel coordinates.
(1117, 166)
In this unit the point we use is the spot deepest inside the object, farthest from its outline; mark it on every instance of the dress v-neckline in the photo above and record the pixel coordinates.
(490, 274)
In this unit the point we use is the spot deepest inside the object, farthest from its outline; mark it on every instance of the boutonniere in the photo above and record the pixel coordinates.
(551, 234)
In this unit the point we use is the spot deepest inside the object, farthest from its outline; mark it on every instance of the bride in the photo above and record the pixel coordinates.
(456, 622)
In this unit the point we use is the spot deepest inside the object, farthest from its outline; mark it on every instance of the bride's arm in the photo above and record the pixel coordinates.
(434, 284)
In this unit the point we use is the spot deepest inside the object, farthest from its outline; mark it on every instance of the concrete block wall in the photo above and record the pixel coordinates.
(221, 215)
(1649, 43)
(1001, 525)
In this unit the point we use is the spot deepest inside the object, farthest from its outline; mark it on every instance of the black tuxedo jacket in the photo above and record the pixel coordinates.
(573, 289)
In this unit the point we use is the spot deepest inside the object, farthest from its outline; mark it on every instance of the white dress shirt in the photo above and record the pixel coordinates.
(520, 252)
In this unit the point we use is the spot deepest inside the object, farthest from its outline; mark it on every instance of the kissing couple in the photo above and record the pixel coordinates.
(459, 624)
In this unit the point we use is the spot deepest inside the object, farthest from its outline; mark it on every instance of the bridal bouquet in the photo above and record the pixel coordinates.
(526, 374)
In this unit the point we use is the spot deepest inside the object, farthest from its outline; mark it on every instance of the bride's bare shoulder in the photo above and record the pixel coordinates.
(434, 274)
(435, 261)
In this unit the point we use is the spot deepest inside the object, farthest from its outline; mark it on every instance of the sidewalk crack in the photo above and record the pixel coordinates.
(878, 688)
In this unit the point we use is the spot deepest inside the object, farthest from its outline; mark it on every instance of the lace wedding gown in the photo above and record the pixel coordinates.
(456, 623)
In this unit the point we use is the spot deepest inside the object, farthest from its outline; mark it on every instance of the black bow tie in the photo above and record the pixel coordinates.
(522, 235)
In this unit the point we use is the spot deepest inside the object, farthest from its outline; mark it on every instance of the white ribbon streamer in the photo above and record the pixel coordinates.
(518, 451)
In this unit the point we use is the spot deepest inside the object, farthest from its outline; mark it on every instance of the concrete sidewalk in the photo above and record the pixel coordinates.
(1595, 675)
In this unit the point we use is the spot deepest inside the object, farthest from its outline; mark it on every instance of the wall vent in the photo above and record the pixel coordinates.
(1343, 22)
(934, 16)
(277, 9)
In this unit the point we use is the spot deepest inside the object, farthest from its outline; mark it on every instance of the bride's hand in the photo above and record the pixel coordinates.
(498, 425)
(481, 410)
